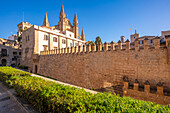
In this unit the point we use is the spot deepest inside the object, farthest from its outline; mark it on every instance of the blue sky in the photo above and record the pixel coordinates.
(108, 19)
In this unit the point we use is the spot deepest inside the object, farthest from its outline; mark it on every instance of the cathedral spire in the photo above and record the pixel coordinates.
(62, 13)
(75, 18)
(46, 23)
(82, 35)
(75, 26)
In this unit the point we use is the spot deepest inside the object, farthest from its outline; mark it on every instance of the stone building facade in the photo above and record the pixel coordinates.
(136, 36)
(10, 52)
(42, 38)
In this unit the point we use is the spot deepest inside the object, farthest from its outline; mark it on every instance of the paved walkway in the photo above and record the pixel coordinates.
(87, 90)
(7, 103)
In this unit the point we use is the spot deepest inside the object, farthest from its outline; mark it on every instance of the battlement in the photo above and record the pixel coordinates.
(157, 94)
(98, 48)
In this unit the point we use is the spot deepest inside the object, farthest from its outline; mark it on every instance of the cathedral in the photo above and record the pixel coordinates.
(64, 24)
(42, 38)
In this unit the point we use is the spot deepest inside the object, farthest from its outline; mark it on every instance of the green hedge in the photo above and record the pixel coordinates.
(52, 97)
(22, 67)
(8, 73)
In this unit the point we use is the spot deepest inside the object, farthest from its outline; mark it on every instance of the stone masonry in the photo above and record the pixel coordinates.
(91, 69)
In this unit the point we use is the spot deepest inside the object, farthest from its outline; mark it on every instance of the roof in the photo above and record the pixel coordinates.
(143, 37)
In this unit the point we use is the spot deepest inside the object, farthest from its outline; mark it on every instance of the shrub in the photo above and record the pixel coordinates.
(8, 73)
(22, 67)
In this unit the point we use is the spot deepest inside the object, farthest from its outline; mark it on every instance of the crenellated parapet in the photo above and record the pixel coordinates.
(113, 47)
(147, 91)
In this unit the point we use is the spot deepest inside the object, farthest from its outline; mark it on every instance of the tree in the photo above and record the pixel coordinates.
(91, 42)
(98, 41)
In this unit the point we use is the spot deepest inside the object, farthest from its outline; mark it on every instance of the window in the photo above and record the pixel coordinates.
(19, 53)
(70, 35)
(14, 53)
(26, 50)
(134, 36)
(27, 38)
(141, 42)
(4, 52)
(54, 39)
(45, 37)
(45, 47)
(63, 41)
(71, 44)
(12, 59)
(3, 43)
(77, 44)
(149, 41)
(55, 47)
(25, 27)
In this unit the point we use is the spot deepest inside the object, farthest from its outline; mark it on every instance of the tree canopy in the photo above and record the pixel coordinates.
(98, 40)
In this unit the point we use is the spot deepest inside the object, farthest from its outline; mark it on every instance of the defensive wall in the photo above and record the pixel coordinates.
(147, 92)
(91, 68)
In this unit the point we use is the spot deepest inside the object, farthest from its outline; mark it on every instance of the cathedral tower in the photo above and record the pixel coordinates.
(46, 23)
(75, 26)
(133, 37)
(62, 22)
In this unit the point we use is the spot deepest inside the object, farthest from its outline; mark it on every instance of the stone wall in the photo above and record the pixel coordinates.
(90, 69)
(145, 93)
(28, 46)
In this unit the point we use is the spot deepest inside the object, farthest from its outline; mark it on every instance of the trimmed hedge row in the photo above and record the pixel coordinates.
(22, 67)
(52, 97)
(7, 73)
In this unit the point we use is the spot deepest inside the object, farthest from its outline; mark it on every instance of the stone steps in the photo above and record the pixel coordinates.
(115, 90)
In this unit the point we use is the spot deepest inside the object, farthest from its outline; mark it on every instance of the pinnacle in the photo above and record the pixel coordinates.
(46, 22)
(82, 35)
(75, 17)
(62, 13)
